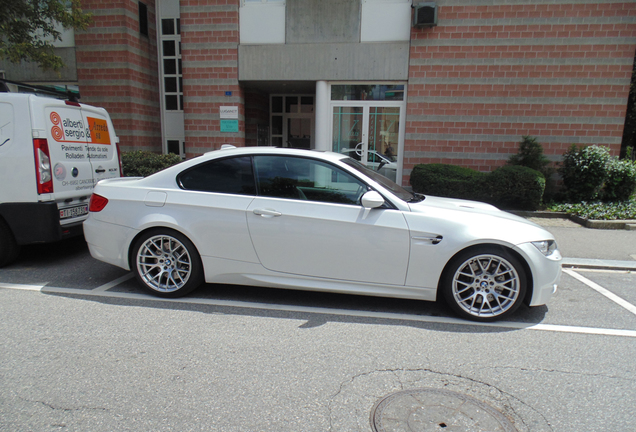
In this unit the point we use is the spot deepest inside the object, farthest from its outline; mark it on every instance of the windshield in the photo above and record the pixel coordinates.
(397, 190)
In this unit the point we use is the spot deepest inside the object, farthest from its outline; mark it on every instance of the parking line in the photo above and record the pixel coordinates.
(114, 283)
(328, 311)
(610, 295)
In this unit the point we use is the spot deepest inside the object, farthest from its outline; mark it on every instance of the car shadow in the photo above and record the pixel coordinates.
(306, 306)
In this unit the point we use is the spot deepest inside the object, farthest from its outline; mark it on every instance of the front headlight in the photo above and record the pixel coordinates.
(546, 247)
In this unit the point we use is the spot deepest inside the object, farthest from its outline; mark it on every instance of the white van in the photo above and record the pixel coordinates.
(52, 153)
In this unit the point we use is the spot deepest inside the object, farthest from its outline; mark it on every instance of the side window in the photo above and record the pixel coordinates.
(231, 175)
(306, 179)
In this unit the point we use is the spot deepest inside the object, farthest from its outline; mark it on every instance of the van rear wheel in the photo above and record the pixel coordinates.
(9, 249)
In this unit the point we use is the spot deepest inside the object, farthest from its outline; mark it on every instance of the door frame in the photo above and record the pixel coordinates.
(366, 105)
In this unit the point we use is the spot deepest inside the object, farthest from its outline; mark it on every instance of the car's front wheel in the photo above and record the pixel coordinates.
(166, 263)
(485, 284)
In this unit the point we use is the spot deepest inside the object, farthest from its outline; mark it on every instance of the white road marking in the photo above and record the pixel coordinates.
(610, 295)
(114, 283)
(327, 311)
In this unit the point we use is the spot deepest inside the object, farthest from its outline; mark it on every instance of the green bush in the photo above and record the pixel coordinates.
(599, 210)
(508, 187)
(140, 163)
(449, 181)
(530, 155)
(583, 171)
(516, 187)
(620, 182)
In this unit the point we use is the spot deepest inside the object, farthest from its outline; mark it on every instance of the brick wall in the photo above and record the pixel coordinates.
(117, 70)
(490, 73)
(209, 43)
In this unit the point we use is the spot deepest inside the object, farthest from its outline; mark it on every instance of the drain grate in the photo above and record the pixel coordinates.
(422, 410)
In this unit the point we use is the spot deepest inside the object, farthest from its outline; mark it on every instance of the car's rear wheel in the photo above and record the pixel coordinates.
(166, 263)
(9, 249)
(485, 284)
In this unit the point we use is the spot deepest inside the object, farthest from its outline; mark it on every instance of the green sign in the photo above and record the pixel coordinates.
(229, 126)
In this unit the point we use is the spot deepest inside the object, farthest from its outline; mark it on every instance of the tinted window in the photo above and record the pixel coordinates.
(306, 179)
(232, 175)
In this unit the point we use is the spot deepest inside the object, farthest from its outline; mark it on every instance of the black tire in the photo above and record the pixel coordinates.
(484, 284)
(9, 249)
(166, 263)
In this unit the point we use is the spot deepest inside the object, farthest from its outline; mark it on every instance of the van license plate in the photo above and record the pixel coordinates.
(71, 212)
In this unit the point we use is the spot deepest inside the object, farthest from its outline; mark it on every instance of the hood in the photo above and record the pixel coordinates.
(466, 206)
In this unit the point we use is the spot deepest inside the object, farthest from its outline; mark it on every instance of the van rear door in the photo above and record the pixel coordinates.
(101, 143)
(72, 144)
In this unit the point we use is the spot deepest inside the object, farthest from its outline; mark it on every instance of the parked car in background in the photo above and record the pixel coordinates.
(385, 165)
(52, 152)
(318, 221)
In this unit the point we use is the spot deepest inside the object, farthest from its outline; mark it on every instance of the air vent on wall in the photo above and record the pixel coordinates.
(425, 15)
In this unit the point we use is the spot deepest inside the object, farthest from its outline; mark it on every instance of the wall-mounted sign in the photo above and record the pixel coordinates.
(229, 126)
(228, 93)
(228, 112)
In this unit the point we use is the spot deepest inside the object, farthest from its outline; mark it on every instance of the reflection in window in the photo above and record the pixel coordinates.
(232, 175)
(306, 179)
(384, 92)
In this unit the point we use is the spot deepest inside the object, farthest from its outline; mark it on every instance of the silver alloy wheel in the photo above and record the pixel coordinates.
(164, 263)
(486, 286)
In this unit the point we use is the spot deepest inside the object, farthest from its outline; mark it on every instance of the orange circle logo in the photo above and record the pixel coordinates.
(55, 118)
(57, 133)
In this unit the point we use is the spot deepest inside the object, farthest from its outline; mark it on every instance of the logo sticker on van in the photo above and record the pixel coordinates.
(70, 130)
(98, 131)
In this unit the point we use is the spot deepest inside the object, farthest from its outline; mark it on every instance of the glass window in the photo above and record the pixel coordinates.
(171, 84)
(277, 104)
(143, 19)
(291, 104)
(169, 67)
(167, 26)
(231, 175)
(306, 179)
(385, 92)
(174, 147)
(171, 103)
(169, 48)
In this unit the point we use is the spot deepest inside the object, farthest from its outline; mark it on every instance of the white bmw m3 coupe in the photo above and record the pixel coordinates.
(318, 221)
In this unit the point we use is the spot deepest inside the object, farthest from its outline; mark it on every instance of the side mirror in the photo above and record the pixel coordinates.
(371, 200)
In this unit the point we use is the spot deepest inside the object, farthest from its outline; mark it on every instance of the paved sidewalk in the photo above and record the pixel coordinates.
(592, 248)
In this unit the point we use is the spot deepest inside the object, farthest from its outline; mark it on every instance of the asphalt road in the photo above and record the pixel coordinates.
(84, 350)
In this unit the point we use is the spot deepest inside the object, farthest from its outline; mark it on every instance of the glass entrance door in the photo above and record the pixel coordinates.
(369, 134)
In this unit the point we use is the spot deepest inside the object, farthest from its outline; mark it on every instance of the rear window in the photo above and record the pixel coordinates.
(231, 175)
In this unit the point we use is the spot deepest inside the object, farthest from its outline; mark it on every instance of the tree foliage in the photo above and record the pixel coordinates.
(28, 28)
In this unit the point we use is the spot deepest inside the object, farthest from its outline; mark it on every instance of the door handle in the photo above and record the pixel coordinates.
(267, 213)
(100, 170)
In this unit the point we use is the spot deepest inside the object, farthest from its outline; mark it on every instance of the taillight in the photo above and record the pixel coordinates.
(43, 166)
(97, 203)
(121, 167)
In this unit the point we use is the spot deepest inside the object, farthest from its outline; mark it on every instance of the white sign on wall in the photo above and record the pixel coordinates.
(228, 112)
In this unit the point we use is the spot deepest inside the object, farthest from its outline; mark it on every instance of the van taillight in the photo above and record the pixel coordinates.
(97, 203)
(43, 166)
(121, 167)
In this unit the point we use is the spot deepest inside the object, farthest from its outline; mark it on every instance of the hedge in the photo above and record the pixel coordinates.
(509, 187)
(140, 163)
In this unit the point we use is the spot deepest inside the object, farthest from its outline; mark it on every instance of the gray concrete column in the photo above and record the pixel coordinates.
(323, 134)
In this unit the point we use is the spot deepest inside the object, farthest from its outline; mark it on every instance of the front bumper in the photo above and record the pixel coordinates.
(546, 273)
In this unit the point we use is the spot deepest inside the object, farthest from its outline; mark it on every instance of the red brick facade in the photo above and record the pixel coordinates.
(513, 70)
(117, 70)
(209, 39)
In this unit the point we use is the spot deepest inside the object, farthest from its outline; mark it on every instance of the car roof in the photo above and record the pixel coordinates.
(236, 151)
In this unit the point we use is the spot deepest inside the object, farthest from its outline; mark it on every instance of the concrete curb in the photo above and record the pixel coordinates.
(588, 223)
(598, 264)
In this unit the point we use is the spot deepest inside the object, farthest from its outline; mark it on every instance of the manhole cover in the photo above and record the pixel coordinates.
(421, 410)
